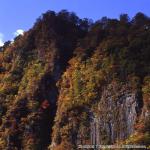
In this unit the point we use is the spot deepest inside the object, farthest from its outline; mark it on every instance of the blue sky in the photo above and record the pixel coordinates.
(21, 14)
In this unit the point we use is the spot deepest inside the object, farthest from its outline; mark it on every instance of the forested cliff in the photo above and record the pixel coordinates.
(71, 81)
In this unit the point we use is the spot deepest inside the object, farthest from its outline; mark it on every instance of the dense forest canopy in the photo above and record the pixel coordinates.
(59, 71)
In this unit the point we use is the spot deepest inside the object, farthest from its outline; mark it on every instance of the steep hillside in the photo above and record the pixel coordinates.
(104, 93)
(69, 82)
(30, 68)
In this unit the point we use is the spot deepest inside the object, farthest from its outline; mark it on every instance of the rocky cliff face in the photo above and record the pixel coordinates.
(69, 82)
(118, 111)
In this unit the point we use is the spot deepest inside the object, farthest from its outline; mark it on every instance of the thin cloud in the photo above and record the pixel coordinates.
(18, 32)
(1, 39)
